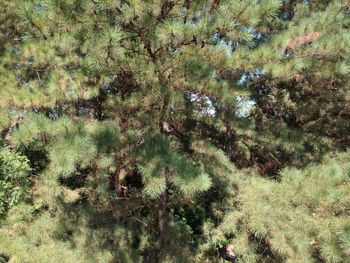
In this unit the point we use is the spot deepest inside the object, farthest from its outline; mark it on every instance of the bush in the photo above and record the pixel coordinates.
(14, 170)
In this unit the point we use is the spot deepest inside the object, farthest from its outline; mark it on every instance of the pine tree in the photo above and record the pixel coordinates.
(302, 218)
(133, 115)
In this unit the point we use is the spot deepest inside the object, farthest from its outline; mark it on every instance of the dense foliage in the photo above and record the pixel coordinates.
(14, 170)
(174, 131)
(302, 218)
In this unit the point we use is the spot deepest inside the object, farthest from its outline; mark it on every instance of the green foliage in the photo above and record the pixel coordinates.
(302, 218)
(145, 124)
(62, 239)
(14, 180)
(164, 165)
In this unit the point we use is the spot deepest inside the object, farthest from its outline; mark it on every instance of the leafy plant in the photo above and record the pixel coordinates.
(14, 180)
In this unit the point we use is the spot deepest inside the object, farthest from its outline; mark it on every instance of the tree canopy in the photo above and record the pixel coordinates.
(174, 131)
